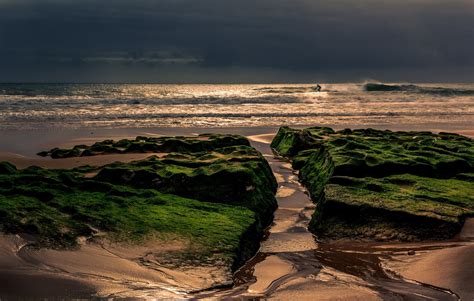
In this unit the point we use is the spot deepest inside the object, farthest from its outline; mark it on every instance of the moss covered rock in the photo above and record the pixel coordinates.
(383, 185)
(236, 175)
(141, 144)
(217, 193)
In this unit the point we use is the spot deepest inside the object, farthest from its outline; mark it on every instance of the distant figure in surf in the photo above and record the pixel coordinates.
(317, 88)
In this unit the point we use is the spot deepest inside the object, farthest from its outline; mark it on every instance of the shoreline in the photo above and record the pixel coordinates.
(28, 142)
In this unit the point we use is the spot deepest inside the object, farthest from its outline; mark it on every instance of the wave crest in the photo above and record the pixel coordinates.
(379, 87)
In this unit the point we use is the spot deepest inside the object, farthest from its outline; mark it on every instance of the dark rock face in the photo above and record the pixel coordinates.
(383, 185)
(7, 168)
(213, 190)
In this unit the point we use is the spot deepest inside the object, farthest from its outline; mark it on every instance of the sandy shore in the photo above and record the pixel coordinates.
(451, 268)
(29, 142)
(135, 271)
(102, 269)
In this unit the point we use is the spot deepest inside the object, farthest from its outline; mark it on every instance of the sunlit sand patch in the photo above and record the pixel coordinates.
(284, 192)
(328, 274)
(325, 286)
(262, 138)
(297, 200)
(284, 220)
(269, 271)
(280, 178)
(289, 242)
(287, 166)
(293, 179)
(296, 222)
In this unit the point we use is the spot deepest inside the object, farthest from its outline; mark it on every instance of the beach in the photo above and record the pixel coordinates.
(252, 150)
(291, 263)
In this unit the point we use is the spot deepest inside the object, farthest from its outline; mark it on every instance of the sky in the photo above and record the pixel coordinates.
(244, 41)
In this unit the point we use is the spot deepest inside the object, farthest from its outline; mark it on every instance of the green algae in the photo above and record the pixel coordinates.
(214, 191)
(383, 184)
(57, 216)
(141, 144)
(233, 175)
(381, 153)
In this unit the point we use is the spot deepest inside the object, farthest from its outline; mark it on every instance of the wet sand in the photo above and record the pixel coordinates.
(21, 161)
(29, 142)
(21, 279)
(291, 264)
(101, 269)
(451, 268)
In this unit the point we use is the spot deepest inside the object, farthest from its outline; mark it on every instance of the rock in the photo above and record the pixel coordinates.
(403, 185)
(7, 168)
(141, 144)
(214, 191)
(65, 153)
(43, 154)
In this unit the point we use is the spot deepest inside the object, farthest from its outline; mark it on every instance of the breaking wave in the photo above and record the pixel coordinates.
(378, 87)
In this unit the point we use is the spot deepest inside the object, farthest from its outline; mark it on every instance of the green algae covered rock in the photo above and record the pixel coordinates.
(236, 175)
(214, 191)
(141, 144)
(383, 185)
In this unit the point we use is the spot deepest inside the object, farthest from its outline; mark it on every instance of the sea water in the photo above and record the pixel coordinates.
(37, 106)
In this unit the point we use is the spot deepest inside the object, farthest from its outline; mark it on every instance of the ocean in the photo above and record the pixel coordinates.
(39, 106)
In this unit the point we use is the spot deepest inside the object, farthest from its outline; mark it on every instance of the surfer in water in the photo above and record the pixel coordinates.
(317, 88)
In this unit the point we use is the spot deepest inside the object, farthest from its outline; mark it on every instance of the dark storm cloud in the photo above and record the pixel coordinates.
(246, 40)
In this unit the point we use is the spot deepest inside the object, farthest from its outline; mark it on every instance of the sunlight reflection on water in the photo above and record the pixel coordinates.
(71, 105)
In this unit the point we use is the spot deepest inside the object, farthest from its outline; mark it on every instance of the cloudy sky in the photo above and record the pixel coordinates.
(236, 41)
